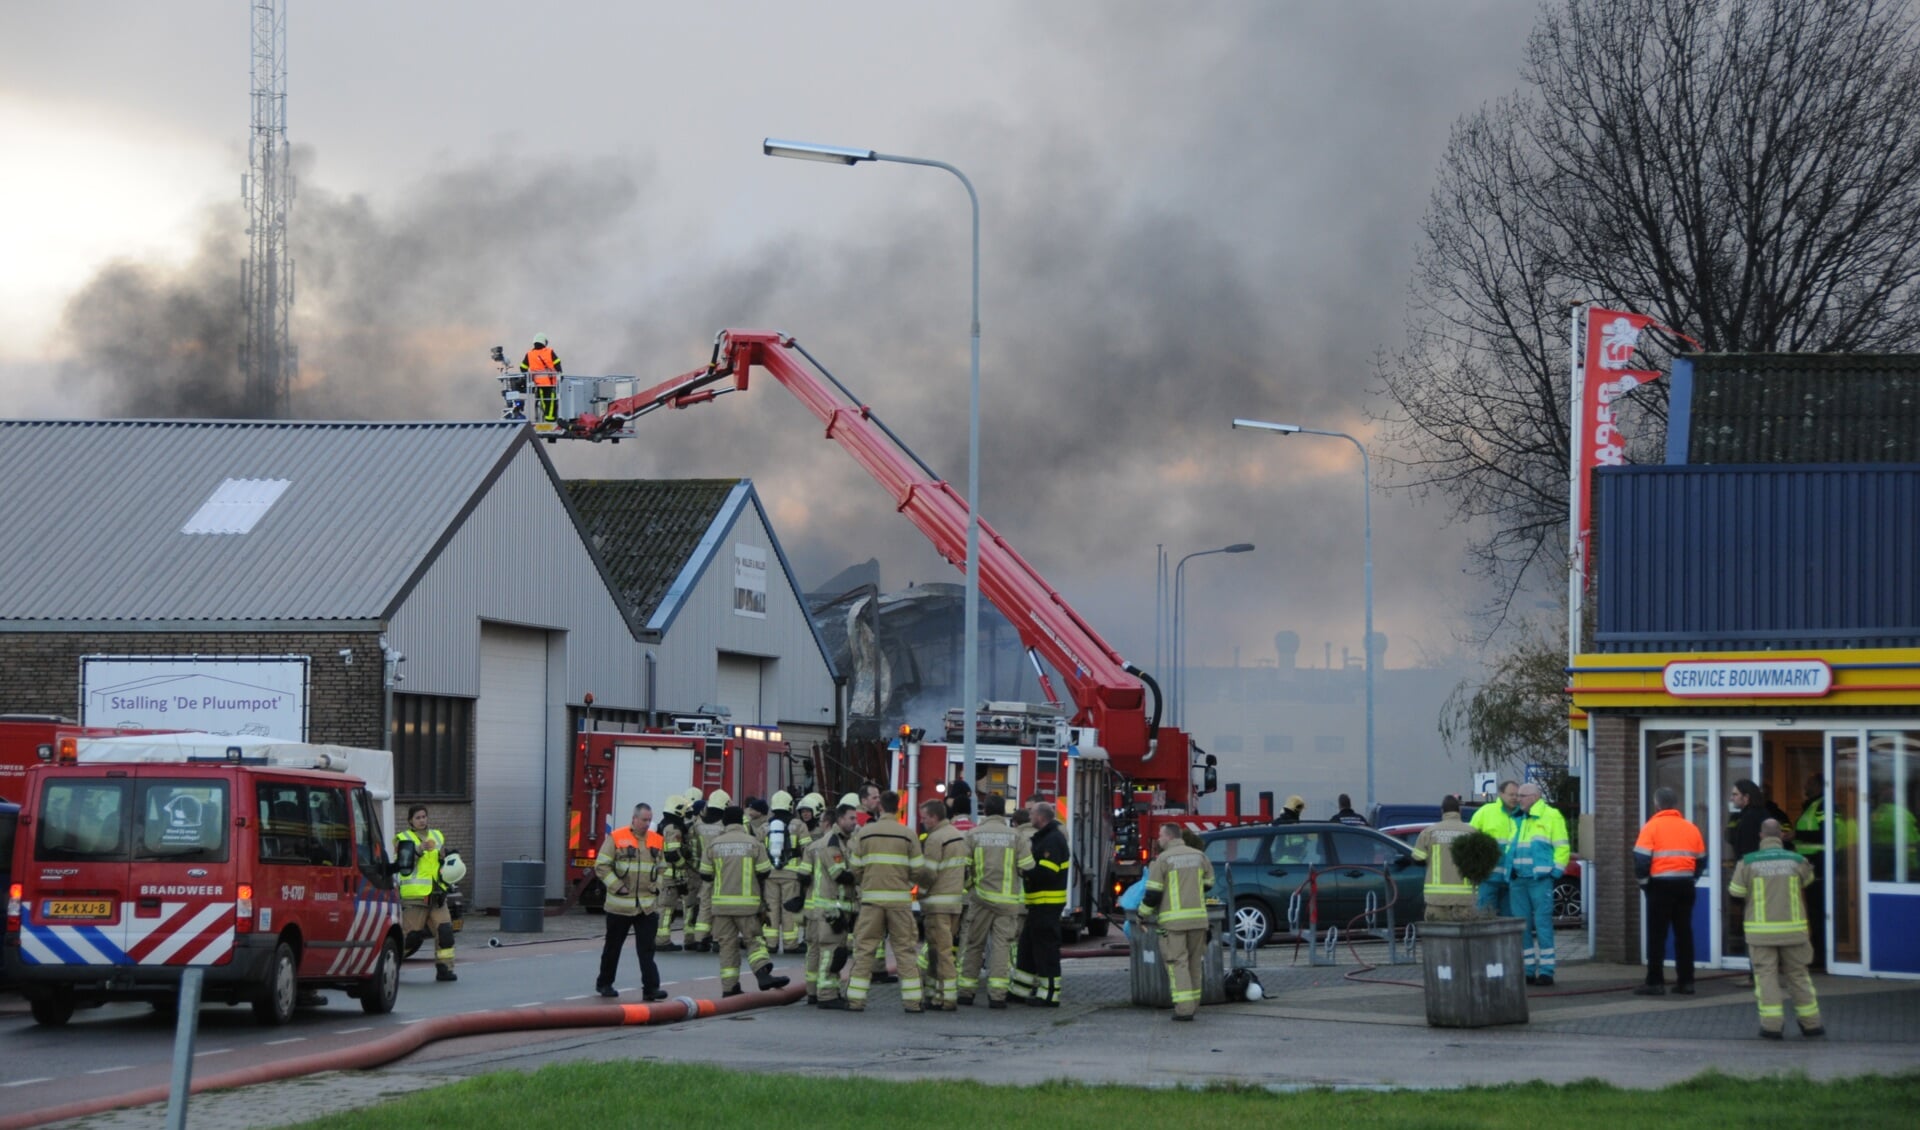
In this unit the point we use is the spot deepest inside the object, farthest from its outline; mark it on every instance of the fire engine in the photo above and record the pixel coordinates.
(615, 768)
(1103, 756)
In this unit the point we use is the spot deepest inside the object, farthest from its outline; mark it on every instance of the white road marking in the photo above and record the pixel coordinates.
(529, 1004)
(579, 996)
(288, 1040)
(409, 1020)
(212, 1051)
(24, 1082)
(351, 1031)
(111, 1070)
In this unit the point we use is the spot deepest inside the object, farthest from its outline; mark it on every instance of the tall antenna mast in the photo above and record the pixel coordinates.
(266, 277)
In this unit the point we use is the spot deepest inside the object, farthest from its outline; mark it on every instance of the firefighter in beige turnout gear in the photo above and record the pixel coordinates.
(1773, 883)
(1450, 897)
(886, 858)
(733, 866)
(674, 890)
(699, 932)
(831, 896)
(423, 899)
(785, 841)
(943, 896)
(997, 854)
(1176, 902)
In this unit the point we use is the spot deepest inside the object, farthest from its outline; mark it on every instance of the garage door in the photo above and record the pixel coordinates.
(509, 783)
(646, 774)
(739, 687)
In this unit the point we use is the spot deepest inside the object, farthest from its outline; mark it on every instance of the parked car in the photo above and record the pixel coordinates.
(1264, 865)
(1566, 890)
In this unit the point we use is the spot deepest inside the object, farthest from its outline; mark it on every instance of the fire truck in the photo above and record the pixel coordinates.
(1102, 755)
(616, 766)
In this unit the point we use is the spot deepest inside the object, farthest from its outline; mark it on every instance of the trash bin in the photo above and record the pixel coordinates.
(1474, 973)
(1150, 984)
(523, 896)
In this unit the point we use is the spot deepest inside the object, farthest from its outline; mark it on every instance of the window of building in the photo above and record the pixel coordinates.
(1329, 743)
(1227, 743)
(1893, 792)
(431, 739)
(1279, 743)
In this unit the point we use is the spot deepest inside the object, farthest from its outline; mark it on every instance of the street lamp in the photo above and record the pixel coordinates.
(841, 155)
(1180, 629)
(1366, 485)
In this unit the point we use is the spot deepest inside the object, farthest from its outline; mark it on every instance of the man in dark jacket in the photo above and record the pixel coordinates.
(1347, 815)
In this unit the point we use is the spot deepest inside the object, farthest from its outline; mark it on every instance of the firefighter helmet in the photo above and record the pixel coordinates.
(813, 802)
(453, 869)
(782, 800)
(718, 798)
(851, 800)
(539, 339)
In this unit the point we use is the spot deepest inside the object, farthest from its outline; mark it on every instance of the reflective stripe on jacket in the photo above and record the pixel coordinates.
(1184, 876)
(1445, 885)
(943, 876)
(1496, 821)
(542, 362)
(1771, 881)
(627, 866)
(828, 876)
(1046, 880)
(1540, 848)
(1669, 847)
(885, 858)
(735, 862)
(999, 855)
(418, 883)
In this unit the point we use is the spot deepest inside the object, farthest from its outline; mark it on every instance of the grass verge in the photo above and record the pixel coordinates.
(590, 1094)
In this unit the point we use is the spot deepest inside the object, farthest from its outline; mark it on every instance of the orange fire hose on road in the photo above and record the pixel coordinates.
(413, 1037)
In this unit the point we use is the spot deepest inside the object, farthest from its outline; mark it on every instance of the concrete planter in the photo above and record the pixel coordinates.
(1475, 977)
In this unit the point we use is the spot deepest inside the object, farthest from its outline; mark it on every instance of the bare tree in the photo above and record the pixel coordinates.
(1747, 171)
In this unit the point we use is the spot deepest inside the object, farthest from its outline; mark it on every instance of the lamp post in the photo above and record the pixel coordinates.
(1366, 485)
(841, 155)
(1180, 626)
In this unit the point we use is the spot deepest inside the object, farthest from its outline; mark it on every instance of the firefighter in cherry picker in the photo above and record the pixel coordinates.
(734, 865)
(427, 870)
(785, 839)
(541, 366)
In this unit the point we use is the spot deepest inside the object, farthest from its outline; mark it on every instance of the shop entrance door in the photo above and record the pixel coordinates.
(1737, 757)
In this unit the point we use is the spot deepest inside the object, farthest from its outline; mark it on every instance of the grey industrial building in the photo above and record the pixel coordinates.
(432, 581)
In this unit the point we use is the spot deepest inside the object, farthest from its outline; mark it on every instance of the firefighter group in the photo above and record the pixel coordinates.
(838, 884)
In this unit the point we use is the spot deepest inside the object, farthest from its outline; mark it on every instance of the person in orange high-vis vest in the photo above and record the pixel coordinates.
(629, 867)
(1668, 859)
(542, 365)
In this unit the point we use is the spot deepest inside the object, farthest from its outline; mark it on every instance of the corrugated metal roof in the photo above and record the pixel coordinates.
(1805, 408)
(646, 531)
(95, 509)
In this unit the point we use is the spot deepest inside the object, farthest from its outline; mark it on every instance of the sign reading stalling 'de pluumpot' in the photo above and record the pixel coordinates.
(266, 697)
(1748, 678)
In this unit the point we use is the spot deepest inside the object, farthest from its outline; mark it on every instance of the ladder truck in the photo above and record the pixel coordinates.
(1116, 774)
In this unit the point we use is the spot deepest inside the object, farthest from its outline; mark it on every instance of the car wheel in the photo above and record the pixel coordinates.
(1252, 922)
(1566, 899)
(273, 1003)
(383, 988)
(54, 1008)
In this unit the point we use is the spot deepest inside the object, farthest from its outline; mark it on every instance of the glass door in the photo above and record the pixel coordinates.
(1681, 760)
(1737, 759)
(1841, 901)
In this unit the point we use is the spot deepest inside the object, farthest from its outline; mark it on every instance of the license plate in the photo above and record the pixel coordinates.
(77, 908)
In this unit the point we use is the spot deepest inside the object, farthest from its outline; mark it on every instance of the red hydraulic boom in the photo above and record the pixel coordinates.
(1109, 693)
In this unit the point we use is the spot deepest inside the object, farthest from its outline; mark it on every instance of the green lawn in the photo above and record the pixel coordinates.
(635, 1093)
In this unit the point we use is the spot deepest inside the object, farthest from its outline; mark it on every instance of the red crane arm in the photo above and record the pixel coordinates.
(1108, 696)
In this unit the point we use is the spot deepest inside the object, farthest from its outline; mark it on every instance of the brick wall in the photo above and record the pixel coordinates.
(40, 672)
(1616, 791)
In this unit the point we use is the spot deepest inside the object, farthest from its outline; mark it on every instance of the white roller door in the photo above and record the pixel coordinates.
(739, 687)
(645, 774)
(510, 743)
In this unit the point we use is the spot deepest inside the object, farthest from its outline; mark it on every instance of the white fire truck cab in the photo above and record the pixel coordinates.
(275, 879)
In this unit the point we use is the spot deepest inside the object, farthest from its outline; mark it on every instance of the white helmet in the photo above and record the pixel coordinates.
(781, 800)
(539, 339)
(718, 799)
(812, 802)
(453, 869)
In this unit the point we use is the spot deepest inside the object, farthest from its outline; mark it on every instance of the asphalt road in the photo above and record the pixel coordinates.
(124, 1047)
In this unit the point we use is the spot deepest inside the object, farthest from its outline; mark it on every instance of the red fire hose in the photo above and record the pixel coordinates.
(413, 1037)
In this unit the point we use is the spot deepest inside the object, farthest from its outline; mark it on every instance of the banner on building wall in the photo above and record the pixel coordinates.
(265, 697)
(749, 581)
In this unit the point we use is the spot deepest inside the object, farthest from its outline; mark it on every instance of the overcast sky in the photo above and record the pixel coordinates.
(1190, 213)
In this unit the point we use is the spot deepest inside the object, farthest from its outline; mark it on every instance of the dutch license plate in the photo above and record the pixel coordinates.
(77, 908)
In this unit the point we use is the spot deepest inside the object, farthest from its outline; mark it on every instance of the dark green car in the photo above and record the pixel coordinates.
(1271, 863)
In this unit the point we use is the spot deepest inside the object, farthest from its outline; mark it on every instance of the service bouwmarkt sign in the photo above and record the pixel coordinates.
(1748, 678)
(265, 696)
